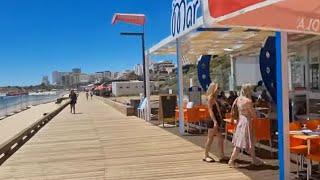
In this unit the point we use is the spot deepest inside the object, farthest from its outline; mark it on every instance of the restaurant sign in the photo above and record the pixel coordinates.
(220, 8)
(273, 15)
(184, 15)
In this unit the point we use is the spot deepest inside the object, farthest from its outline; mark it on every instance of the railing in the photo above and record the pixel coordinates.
(13, 104)
(12, 145)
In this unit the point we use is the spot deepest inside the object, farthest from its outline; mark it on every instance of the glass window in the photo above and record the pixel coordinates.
(298, 73)
(314, 53)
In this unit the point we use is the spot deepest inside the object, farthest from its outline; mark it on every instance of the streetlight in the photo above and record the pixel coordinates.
(143, 58)
(136, 19)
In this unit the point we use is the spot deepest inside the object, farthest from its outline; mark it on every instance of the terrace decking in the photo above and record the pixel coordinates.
(101, 143)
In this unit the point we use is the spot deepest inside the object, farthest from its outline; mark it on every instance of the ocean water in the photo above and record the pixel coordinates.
(11, 104)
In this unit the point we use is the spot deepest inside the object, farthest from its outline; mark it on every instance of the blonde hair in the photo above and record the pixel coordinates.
(212, 91)
(246, 91)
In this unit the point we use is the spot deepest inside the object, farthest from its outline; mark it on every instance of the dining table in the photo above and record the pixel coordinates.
(308, 137)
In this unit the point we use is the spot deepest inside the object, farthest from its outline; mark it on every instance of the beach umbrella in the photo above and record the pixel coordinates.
(299, 16)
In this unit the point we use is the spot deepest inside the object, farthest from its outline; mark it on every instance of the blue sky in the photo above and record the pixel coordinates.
(39, 36)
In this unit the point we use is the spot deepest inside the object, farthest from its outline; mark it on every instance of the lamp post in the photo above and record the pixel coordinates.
(143, 58)
(136, 19)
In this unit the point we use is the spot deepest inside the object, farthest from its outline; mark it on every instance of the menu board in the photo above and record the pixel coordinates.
(167, 106)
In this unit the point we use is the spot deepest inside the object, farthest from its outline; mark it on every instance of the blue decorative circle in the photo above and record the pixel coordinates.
(204, 71)
(268, 70)
(268, 66)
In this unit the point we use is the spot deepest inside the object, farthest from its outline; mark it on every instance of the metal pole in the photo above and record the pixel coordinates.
(233, 79)
(144, 67)
(283, 105)
(147, 80)
(180, 86)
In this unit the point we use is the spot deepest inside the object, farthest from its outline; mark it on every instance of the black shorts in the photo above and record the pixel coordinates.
(210, 125)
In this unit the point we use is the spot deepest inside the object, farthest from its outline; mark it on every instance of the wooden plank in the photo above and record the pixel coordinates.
(101, 143)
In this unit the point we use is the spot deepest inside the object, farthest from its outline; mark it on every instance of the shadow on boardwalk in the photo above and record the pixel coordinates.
(270, 170)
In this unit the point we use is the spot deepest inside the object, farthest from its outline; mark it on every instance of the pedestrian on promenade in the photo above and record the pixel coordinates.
(243, 137)
(215, 126)
(73, 97)
(87, 95)
(91, 94)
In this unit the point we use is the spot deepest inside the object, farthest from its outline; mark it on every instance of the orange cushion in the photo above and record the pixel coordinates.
(314, 157)
(300, 149)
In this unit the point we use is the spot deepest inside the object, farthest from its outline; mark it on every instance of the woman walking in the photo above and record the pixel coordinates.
(243, 137)
(87, 95)
(73, 97)
(214, 124)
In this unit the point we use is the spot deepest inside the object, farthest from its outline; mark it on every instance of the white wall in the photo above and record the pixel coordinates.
(247, 70)
(129, 88)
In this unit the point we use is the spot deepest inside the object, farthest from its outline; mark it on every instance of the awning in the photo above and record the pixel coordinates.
(215, 41)
(300, 16)
(137, 19)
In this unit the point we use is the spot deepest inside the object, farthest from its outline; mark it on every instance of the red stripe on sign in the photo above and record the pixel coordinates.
(219, 8)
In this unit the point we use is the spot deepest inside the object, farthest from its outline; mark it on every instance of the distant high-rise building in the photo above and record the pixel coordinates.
(84, 78)
(45, 80)
(163, 66)
(107, 74)
(114, 75)
(76, 70)
(138, 69)
(55, 77)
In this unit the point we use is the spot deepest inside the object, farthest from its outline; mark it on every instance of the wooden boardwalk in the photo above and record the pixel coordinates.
(100, 143)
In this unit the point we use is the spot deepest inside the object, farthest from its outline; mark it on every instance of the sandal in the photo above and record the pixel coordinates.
(224, 158)
(208, 160)
(232, 164)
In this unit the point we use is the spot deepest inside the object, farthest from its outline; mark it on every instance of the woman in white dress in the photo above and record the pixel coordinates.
(243, 137)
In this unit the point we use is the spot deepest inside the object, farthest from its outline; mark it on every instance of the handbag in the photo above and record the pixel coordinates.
(234, 111)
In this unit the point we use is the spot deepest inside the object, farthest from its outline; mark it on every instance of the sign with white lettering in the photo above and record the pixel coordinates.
(308, 24)
(184, 15)
(298, 16)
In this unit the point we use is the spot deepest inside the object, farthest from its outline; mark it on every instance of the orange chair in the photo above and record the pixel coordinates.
(297, 146)
(203, 113)
(262, 130)
(177, 113)
(313, 124)
(315, 146)
(191, 116)
(295, 126)
(313, 156)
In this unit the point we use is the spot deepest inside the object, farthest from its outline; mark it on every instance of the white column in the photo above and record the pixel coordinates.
(148, 111)
(232, 75)
(191, 82)
(283, 105)
(290, 75)
(307, 75)
(180, 86)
